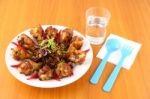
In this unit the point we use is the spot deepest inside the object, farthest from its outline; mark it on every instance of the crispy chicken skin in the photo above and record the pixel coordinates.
(35, 65)
(28, 67)
(20, 54)
(77, 56)
(25, 41)
(51, 32)
(66, 35)
(76, 44)
(63, 70)
(45, 73)
(37, 32)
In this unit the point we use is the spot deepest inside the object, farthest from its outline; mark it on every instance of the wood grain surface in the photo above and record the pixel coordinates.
(130, 19)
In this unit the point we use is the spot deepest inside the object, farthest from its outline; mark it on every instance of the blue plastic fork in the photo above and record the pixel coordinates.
(112, 45)
(125, 51)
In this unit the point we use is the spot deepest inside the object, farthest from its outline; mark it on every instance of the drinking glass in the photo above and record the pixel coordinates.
(96, 22)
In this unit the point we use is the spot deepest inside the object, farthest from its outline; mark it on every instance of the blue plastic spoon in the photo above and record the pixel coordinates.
(112, 45)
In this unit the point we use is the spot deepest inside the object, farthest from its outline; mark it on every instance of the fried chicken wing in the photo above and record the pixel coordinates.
(45, 73)
(28, 66)
(51, 32)
(25, 41)
(66, 35)
(38, 33)
(20, 54)
(63, 70)
(77, 56)
(76, 44)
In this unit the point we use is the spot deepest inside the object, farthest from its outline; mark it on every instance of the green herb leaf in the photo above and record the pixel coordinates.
(41, 43)
(51, 43)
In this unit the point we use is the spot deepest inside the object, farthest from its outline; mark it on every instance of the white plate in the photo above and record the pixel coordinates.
(78, 70)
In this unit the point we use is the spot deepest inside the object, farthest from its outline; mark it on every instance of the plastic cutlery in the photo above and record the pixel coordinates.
(111, 45)
(125, 51)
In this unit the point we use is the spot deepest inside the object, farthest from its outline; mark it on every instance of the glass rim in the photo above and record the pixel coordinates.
(98, 9)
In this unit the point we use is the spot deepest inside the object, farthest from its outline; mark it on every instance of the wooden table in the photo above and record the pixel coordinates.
(130, 19)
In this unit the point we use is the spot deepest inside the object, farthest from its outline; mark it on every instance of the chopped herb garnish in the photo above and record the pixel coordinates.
(51, 43)
(41, 43)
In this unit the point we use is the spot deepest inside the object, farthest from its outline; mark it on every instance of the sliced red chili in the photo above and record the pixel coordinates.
(34, 76)
(87, 50)
(71, 72)
(43, 35)
(21, 48)
(33, 43)
(17, 65)
(56, 76)
(18, 46)
(57, 37)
